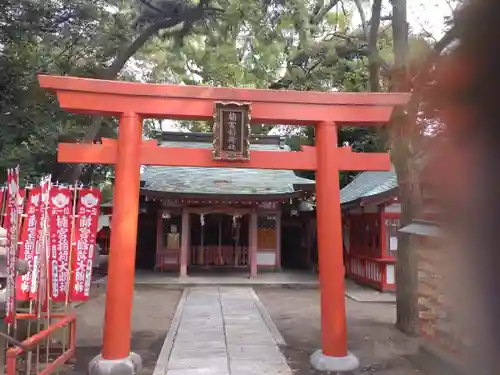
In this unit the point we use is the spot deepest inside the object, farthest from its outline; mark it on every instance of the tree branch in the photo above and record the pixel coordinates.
(342, 51)
(153, 7)
(373, 53)
(125, 54)
(318, 17)
(362, 15)
(190, 15)
(422, 76)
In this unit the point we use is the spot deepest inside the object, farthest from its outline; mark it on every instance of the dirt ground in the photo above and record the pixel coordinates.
(296, 312)
(153, 311)
(381, 349)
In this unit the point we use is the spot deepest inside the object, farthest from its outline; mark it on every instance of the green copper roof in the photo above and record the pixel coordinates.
(222, 181)
(368, 183)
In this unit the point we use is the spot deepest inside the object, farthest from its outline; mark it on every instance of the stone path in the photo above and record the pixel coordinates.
(361, 293)
(221, 331)
(285, 278)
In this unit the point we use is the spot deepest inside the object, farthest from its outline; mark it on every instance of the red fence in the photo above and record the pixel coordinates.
(378, 273)
(43, 353)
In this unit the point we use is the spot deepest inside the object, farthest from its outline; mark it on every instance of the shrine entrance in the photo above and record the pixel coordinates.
(232, 110)
(218, 243)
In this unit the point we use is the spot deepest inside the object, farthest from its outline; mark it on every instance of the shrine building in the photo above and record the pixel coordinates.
(370, 220)
(224, 218)
(371, 214)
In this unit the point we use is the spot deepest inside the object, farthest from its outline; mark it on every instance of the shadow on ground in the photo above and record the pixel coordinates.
(153, 311)
(382, 349)
(147, 344)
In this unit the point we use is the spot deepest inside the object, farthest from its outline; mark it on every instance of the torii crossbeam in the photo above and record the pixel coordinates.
(132, 102)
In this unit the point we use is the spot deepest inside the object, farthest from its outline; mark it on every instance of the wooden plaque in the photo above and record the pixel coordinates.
(231, 131)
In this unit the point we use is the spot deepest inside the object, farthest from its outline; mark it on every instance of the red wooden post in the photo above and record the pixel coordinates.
(252, 246)
(383, 233)
(121, 268)
(184, 243)
(278, 240)
(159, 238)
(331, 275)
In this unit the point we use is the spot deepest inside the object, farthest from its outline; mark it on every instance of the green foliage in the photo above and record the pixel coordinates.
(301, 45)
(107, 192)
(61, 41)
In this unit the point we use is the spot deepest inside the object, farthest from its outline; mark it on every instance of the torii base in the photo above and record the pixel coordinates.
(322, 362)
(130, 365)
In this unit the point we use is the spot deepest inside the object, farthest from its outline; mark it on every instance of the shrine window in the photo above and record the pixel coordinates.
(364, 236)
(392, 224)
(266, 232)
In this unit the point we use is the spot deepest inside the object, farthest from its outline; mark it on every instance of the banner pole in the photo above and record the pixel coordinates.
(45, 193)
(72, 239)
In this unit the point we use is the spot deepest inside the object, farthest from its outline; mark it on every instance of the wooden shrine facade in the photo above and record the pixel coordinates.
(371, 214)
(219, 217)
(370, 240)
(214, 233)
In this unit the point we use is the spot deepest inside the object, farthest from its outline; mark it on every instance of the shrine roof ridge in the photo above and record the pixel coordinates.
(222, 181)
(368, 184)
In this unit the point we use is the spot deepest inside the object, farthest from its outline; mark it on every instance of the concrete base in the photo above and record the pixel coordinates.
(126, 366)
(323, 362)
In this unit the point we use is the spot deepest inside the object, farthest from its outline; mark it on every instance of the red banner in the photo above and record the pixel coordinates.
(88, 210)
(39, 255)
(11, 223)
(60, 210)
(31, 225)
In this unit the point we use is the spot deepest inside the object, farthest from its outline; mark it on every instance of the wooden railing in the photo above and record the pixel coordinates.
(46, 351)
(377, 273)
(236, 256)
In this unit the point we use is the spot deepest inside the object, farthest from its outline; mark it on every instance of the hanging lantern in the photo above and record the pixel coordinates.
(305, 206)
(165, 215)
(202, 220)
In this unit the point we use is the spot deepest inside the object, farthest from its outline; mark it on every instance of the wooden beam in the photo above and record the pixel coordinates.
(136, 89)
(99, 97)
(362, 161)
(150, 154)
(202, 109)
(185, 157)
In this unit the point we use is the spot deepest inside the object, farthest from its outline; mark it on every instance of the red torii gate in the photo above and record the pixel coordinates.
(132, 102)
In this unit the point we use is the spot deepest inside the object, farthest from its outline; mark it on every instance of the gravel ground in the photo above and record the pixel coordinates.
(154, 308)
(381, 349)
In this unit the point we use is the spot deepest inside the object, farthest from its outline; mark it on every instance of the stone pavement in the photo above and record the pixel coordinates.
(221, 331)
(274, 279)
(361, 293)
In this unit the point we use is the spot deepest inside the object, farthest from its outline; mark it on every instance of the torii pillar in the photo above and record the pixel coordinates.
(333, 353)
(133, 101)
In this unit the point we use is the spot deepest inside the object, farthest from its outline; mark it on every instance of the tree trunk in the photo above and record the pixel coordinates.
(411, 207)
(404, 135)
(373, 54)
(111, 73)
